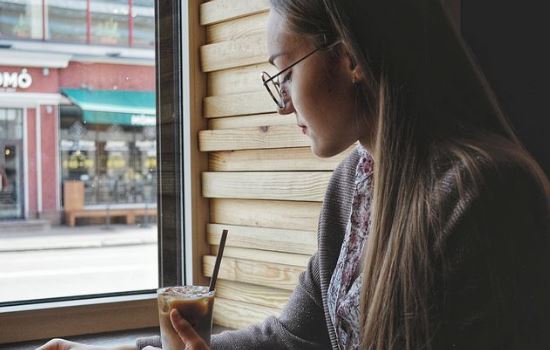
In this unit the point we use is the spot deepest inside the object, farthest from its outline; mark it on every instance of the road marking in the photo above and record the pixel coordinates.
(75, 271)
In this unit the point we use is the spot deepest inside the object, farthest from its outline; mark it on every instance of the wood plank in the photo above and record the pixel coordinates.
(282, 240)
(261, 213)
(237, 28)
(254, 272)
(292, 186)
(252, 294)
(238, 104)
(236, 314)
(238, 80)
(235, 53)
(251, 121)
(263, 256)
(223, 10)
(285, 159)
(277, 136)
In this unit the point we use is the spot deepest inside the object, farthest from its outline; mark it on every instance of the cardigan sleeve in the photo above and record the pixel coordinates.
(153, 341)
(493, 290)
(300, 326)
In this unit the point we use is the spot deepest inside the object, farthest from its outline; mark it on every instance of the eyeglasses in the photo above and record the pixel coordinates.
(273, 85)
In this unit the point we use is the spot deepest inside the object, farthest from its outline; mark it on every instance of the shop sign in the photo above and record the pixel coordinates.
(14, 80)
(143, 119)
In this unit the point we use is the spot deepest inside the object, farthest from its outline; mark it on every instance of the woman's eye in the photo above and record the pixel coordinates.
(287, 78)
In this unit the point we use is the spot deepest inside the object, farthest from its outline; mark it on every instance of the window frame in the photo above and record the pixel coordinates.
(183, 212)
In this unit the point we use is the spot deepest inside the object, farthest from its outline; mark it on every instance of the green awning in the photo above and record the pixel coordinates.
(114, 106)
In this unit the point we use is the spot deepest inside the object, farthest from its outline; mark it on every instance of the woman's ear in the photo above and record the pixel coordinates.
(354, 70)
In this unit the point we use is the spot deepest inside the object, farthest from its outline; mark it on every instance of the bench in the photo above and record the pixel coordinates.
(129, 214)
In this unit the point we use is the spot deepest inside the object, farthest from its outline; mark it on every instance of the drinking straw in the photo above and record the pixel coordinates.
(218, 262)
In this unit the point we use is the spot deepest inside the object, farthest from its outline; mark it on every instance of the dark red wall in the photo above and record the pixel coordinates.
(102, 76)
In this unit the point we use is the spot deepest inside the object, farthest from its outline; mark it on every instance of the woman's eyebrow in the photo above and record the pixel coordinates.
(273, 57)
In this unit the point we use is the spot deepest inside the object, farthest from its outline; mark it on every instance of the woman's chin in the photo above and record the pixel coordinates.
(322, 152)
(327, 150)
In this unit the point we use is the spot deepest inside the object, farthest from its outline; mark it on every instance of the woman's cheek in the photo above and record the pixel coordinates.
(301, 99)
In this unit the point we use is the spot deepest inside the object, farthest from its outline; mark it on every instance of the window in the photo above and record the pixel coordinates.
(21, 19)
(143, 23)
(78, 177)
(123, 23)
(110, 22)
(11, 135)
(67, 21)
(93, 144)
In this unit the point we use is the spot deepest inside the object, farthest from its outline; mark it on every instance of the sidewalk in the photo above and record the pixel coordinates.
(64, 237)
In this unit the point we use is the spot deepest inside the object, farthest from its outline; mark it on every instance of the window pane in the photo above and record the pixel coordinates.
(78, 168)
(110, 22)
(21, 19)
(144, 23)
(67, 20)
(11, 136)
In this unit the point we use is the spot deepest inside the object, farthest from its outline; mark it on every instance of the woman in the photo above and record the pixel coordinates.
(434, 232)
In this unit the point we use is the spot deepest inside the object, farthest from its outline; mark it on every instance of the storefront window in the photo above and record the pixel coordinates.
(100, 22)
(110, 24)
(11, 166)
(117, 164)
(144, 22)
(67, 20)
(21, 19)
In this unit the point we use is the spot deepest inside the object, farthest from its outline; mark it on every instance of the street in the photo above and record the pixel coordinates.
(95, 268)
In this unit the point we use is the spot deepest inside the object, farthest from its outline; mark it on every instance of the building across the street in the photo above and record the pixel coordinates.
(77, 106)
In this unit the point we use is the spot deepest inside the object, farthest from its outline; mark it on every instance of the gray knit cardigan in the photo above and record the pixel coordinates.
(494, 293)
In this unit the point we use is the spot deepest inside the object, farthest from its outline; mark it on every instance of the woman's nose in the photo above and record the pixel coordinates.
(287, 109)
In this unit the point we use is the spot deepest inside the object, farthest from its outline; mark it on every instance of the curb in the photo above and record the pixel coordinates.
(43, 246)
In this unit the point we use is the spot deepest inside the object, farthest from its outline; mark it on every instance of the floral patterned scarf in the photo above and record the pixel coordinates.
(345, 285)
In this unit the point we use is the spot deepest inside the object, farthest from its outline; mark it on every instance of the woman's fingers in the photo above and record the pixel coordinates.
(61, 344)
(54, 344)
(186, 332)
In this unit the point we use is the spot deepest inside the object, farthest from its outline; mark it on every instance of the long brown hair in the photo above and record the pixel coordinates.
(429, 100)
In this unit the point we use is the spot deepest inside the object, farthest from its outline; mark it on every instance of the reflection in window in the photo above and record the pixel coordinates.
(116, 164)
(78, 162)
(11, 162)
(110, 24)
(21, 19)
(100, 22)
(67, 20)
(144, 23)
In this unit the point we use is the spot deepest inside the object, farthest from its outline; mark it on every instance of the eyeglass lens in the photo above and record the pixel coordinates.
(274, 89)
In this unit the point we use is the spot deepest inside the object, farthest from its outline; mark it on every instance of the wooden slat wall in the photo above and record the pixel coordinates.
(264, 184)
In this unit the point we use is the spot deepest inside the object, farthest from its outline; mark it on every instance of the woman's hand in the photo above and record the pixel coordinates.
(62, 344)
(186, 332)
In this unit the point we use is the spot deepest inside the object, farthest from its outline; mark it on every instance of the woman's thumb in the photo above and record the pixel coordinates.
(187, 333)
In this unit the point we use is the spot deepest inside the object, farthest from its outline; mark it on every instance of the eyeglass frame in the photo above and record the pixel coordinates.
(277, 84)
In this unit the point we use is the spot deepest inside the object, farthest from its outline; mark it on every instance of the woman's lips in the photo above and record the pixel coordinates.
(304, 129)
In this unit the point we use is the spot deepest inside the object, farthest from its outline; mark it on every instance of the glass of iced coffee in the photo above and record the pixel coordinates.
(194, 304)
